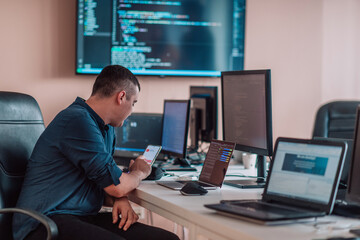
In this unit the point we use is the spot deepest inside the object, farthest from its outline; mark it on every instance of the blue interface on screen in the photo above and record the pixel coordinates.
(310, 168)
(178, 37)
(138, 131)
(174, 126)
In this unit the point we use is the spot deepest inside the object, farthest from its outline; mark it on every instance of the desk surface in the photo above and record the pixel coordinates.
(190, 212)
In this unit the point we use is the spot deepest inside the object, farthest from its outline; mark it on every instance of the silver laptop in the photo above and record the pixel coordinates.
(302, 183)
(214, 169)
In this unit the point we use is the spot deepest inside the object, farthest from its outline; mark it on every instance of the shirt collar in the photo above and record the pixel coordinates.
(80, 101)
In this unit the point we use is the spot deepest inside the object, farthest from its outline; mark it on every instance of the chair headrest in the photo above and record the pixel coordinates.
(18, 107)
(21, 124)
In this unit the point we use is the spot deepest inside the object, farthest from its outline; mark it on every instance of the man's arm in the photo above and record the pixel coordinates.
(108, 201)
(139, 170)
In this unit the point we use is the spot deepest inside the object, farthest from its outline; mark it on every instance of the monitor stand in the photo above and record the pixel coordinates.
(182, 162)
(179, 164)
(261, 174)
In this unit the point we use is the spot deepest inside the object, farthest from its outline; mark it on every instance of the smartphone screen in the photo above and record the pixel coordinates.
(151, 152)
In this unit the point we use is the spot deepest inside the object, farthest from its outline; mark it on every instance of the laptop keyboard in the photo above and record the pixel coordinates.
(258, 206)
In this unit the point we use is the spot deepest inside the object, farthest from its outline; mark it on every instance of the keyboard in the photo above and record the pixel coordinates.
(264, 207)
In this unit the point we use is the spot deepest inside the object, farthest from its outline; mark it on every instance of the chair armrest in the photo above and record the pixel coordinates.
(50, 225)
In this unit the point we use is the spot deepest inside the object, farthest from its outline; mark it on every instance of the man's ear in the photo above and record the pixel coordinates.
(121, 97)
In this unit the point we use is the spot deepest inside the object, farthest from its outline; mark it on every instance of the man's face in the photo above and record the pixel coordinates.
(126, 108)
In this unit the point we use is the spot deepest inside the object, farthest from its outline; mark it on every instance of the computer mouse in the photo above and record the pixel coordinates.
(193, 188)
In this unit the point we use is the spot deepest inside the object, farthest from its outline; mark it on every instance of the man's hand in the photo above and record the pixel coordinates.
(128, 216)
(140, 165)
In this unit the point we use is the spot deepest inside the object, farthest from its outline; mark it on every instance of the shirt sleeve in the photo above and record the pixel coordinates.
(83, 144)
(114, 141)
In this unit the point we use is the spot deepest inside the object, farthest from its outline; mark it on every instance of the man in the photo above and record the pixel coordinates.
(71, 172)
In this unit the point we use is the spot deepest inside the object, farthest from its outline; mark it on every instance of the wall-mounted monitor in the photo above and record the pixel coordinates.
(164, 38)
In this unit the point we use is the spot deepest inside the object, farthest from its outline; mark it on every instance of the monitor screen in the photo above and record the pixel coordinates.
(138, 131)
(217, 162)
(353, 190)
(246, 105)
(305, 170)
(176, 37)
(175, 127)
(203, 114)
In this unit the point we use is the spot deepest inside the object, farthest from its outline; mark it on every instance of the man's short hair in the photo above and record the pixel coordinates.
(115, 78)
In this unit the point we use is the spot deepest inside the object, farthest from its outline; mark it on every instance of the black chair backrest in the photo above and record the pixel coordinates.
(21, 124)
(336, 120)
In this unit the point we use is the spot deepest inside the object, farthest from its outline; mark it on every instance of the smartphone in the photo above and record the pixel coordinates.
(151, 152)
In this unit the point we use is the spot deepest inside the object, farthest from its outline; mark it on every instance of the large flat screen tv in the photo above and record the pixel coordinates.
(164, 38)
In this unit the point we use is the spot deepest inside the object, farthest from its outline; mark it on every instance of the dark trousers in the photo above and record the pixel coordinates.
(99, 227)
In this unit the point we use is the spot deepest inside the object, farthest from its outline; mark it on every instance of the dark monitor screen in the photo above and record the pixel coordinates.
(138, 131)
(175, 127)
(203, 114)
(353, 190)
(246, 105)
(176, 37)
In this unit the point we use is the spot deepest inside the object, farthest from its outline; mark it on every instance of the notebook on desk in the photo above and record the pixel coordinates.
(214, 169)
(302, 183)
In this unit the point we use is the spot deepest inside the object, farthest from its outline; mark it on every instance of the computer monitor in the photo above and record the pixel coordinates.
(161, 38)
(351, 207)
(175, 128)
(247, 117)
(138, 131)
(203, 115)
(353, 189)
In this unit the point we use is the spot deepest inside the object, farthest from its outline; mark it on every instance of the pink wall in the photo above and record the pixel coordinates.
(285, 36)
(341, 50)
(38, 53)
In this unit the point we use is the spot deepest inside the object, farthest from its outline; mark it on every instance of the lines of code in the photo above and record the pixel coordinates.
(181, 36)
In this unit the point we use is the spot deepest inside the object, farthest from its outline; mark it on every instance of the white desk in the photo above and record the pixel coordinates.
(189, 212)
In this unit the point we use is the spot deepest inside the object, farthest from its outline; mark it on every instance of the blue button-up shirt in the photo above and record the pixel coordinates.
(69, 167)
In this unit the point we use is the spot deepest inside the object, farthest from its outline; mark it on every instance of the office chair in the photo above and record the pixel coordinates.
(336, 120)
(21, 124)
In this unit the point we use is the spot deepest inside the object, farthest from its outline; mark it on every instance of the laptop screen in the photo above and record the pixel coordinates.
(305, 171)
(216, 162)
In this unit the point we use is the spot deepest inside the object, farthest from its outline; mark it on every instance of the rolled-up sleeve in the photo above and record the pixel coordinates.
(83, 144)
(115, 173)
